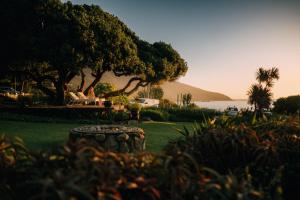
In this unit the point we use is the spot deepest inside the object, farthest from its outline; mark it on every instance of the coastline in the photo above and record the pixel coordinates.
(222, 105)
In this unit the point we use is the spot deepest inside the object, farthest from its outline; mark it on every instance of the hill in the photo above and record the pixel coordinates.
(171, 89)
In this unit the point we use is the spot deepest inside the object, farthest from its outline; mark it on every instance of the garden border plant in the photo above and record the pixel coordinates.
(83, 171)
(269, 148)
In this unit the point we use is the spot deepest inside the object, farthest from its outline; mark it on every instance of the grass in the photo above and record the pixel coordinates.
(43, 135)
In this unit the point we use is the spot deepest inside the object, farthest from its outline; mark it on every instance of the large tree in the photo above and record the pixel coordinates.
(60, 39)
(50, 42)
(115, 49)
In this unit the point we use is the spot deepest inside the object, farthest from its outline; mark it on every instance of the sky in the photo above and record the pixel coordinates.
(223, 42)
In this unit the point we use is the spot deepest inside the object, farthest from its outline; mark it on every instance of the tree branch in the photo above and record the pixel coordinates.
(82, 74)
(140, 84)
(70, 76)
(118, 74)
(123, 90)
(98, 77)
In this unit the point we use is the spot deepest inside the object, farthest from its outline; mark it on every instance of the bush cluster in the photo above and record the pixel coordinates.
(178, 114)
(24, 100)
(154, 114)
(82, 113)
(190, 114)
(289, 105)
(83, 171)
(166, 103)
(270, 149)
(120, 116)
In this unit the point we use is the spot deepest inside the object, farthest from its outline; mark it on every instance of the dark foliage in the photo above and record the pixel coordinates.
(121, 116)
(83, 171)
(49, 42)
(268, 148)
(190, 114)
(288, 105)
(155, 115)
(83, 113)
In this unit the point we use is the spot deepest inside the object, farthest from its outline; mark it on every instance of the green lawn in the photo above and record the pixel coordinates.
(43, 136)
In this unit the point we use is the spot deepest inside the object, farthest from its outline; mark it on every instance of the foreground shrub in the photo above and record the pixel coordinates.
(83, 171)
(271, 150)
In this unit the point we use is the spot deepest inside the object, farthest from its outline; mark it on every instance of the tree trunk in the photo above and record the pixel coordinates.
(60, 92)
(69, 77)
(94, 83)
(82, 80)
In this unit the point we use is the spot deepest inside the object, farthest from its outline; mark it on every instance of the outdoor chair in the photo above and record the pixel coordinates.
(89, 100)
(75, 99)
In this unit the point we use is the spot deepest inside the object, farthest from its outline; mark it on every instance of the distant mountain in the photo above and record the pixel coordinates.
(171, 89)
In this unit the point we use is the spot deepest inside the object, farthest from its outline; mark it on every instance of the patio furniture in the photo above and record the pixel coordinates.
(94, 100)
(75, 99)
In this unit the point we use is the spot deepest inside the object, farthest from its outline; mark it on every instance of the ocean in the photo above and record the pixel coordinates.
(222, 105)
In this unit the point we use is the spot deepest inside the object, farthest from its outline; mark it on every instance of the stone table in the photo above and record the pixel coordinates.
(112, 137)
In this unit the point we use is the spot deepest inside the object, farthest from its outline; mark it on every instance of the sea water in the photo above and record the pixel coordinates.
(222, 105)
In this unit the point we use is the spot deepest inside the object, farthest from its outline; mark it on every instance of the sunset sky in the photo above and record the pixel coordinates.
(223, 42)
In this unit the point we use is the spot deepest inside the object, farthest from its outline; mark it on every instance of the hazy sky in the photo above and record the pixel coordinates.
(223, 41)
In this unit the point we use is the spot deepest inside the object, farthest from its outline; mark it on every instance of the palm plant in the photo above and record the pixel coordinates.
(260, 97)
(260, 94)
(267, 76)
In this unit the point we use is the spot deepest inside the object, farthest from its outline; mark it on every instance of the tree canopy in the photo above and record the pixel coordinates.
(50, 42)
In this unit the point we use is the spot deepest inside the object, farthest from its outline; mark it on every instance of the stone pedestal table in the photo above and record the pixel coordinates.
(112, 137)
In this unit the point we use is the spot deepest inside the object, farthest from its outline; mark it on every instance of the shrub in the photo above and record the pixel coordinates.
(289, 105)
(24, 101)
(263, 147)
(134, 107)
(120, 116)
(279, 127)
(190, 114)
(166, 104)
(33, 118)
(70, 113)
(155, 92)
(122, 99)
(192, 106)
(83, 171)
(103, 88)
(156, 115)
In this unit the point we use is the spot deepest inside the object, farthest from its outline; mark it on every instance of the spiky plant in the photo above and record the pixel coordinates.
(260, 94)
